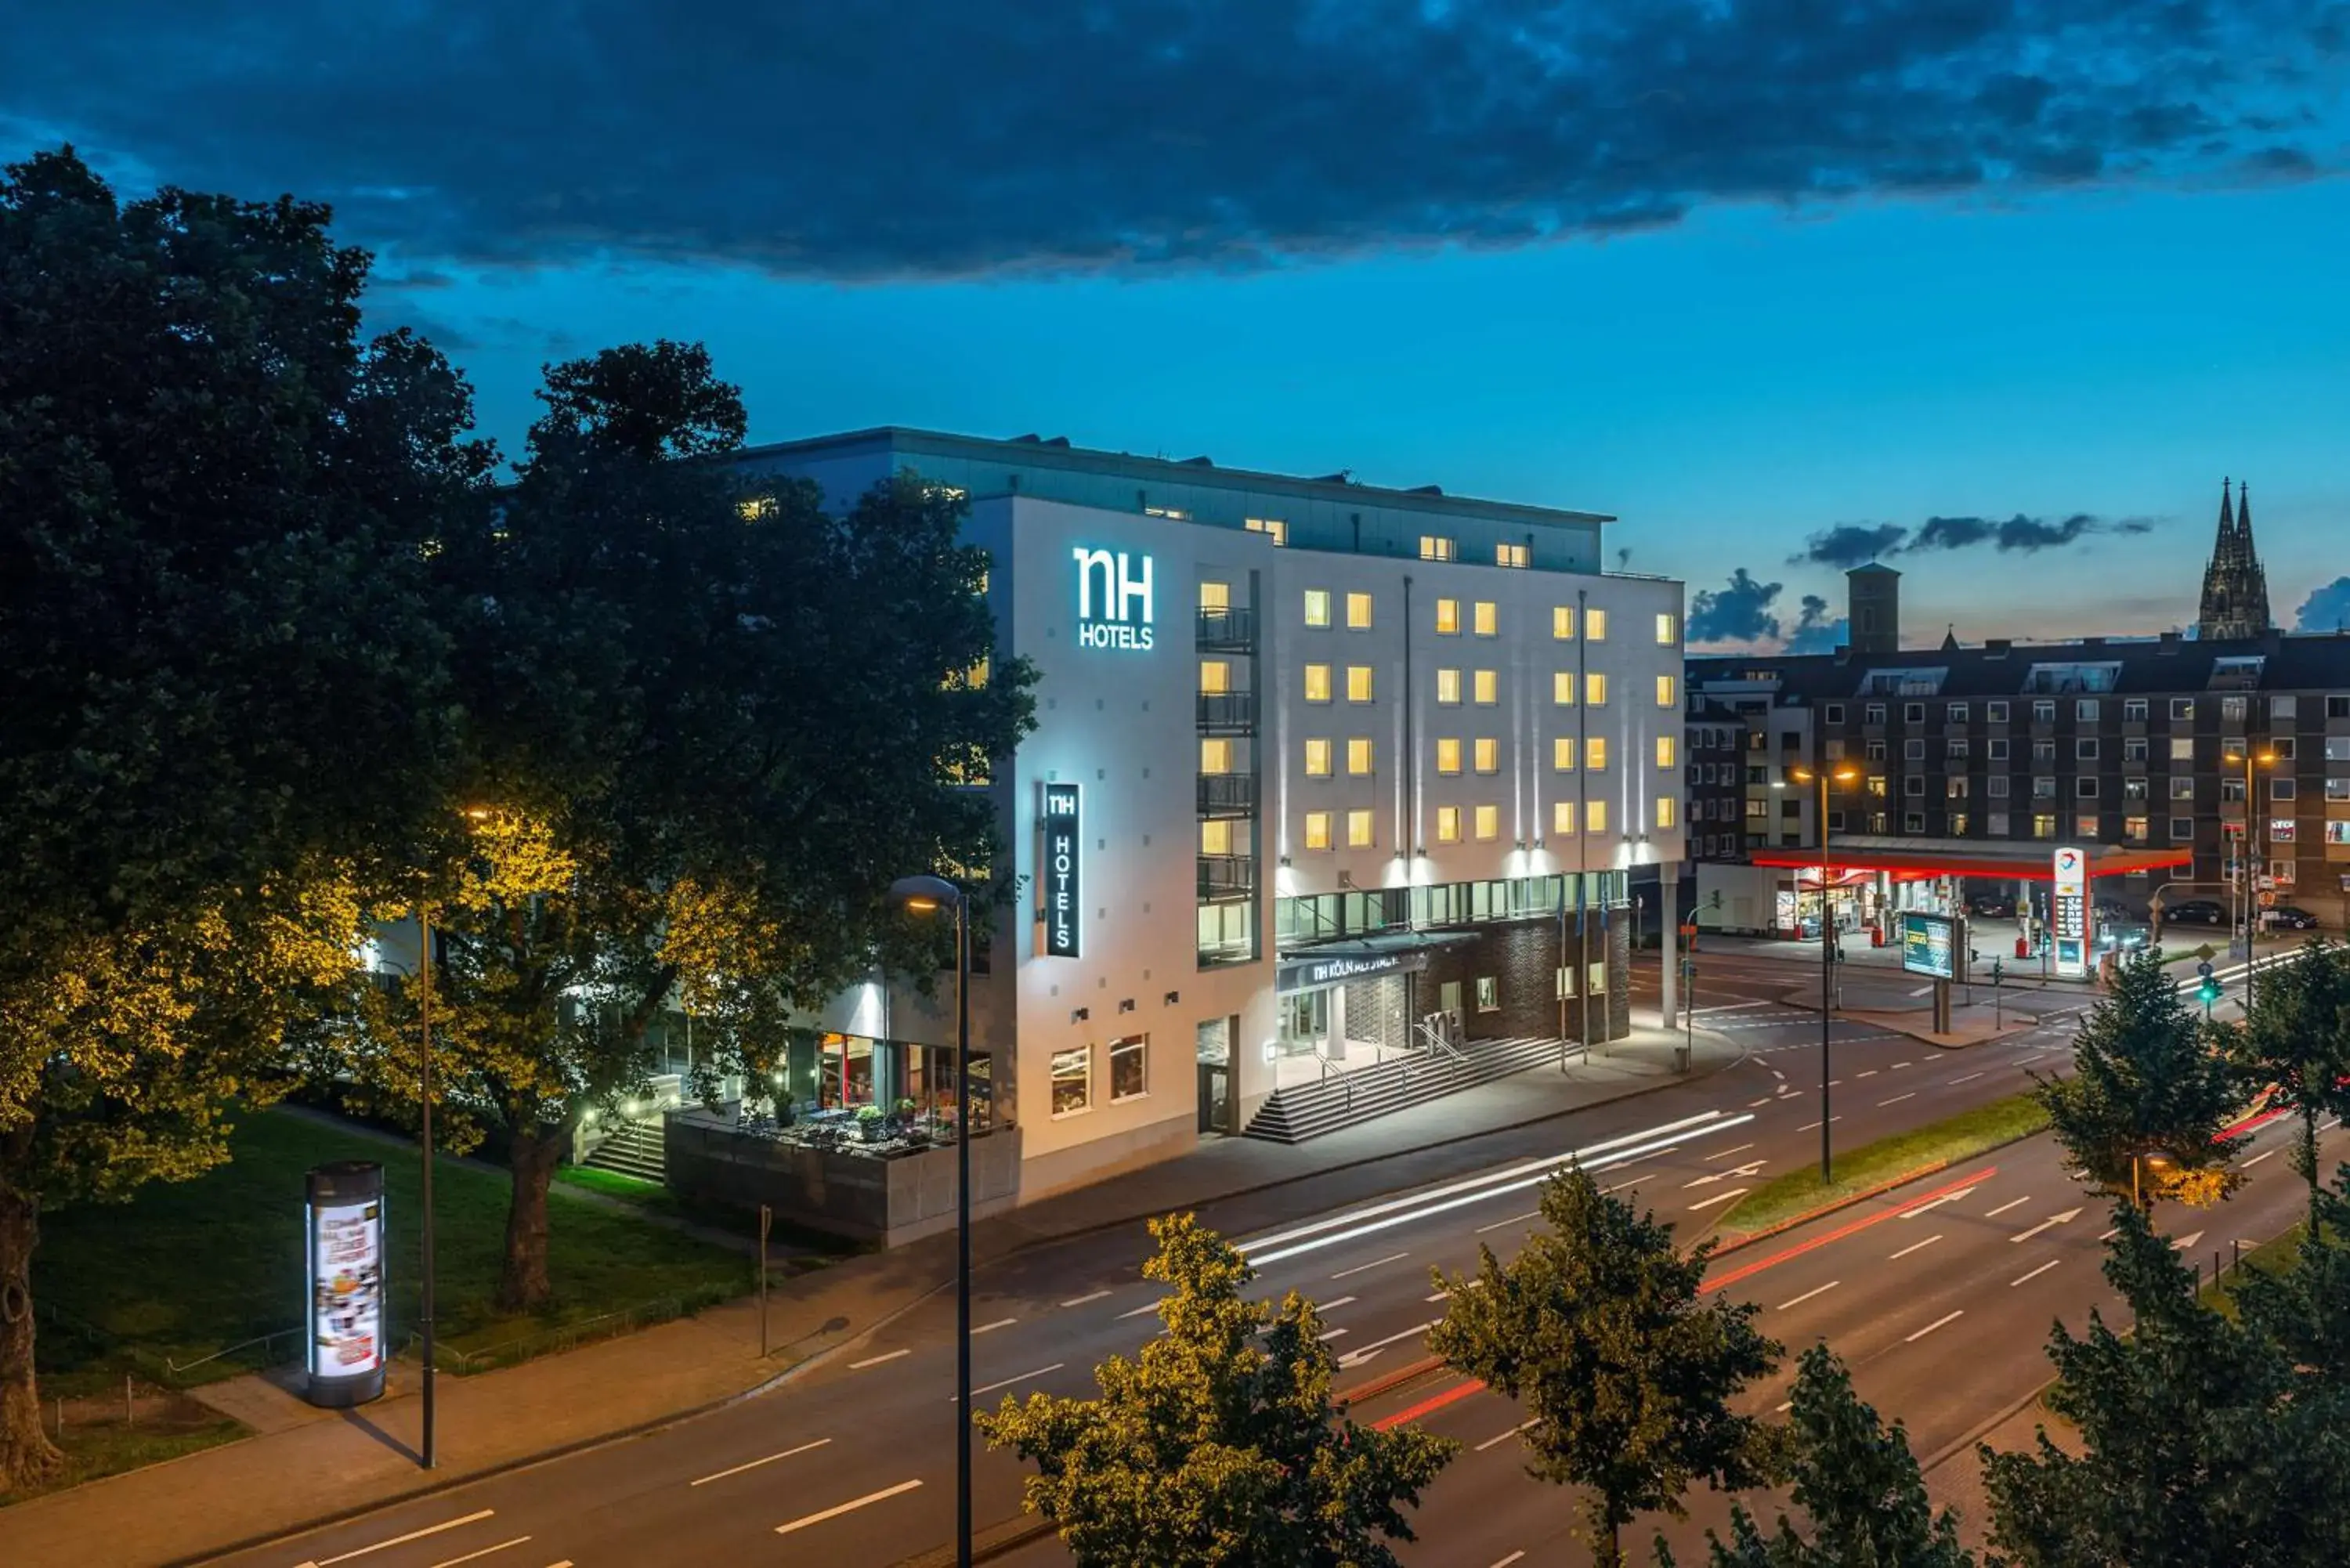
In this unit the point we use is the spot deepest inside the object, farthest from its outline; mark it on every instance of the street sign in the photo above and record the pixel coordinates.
(2204, 968)
(2071, 907)
(2268, 899)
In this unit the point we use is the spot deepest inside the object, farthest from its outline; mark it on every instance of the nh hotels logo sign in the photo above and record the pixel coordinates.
(1113, 599)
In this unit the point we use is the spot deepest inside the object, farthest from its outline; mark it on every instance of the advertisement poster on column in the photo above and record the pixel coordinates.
(2070, 905)
(345, 1239)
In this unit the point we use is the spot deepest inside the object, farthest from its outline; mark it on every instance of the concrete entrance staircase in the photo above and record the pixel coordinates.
(633, 1148)
(1309, 1110)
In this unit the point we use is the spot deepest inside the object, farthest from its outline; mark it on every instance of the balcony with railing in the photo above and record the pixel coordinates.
(1231, 630)
(1227, 795)
(1225, 877)
(1227, 712)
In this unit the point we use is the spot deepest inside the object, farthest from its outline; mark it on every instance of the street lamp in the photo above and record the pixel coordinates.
(926, 896)
(1819, 777)
(2247, 855)
(425, 1076)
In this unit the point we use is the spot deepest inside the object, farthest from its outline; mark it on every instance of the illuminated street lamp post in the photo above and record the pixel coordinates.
(928, 895)
(1819, 777)
(424, 1074)
(2246, 855)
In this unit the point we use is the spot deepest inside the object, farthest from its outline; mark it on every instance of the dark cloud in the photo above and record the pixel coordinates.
(2018, 534)
(1739, 613)
(1814, 632)
(2326, 609)
(935, 138)
(1850, 544)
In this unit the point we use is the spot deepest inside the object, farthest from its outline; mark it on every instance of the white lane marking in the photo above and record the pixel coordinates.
(1620, 1186)
(1809, 1125)
(1326, 1338)
(1726, 1153)
(1922, 990)
(1935, 1324)
(1506, 1561)
(1764, 1101)
(1466, 1285)
(999, 1323)
(1497, 1442)
(875, 1361)
(2048, 1224)
(1138, 1312)
(1970, 1079)
(2034, 1273)
(1720, 1007)
(754, 1464)
(1376, 1263)
(1782, 1407)
(1871, 1073)
(1898, 1065)
(1723, 1197)
(1750, 1168)
(1916, 1246)
(2329, 1127)
(1333, 1306)
(1778, 1075)
(1815, 1291)
(401, 1540)
(2111, 1234)
(850, 1506)
(2011, 1203)
(1936, 1202)
(1512, 1219)
(564, 1563)
(1897, 1099)
(1008, 1381)
(484, 1552)
(1365, 1352)
(2188, 1240)
(1080, 1301)
(1835, 1082)
(2256, 1159)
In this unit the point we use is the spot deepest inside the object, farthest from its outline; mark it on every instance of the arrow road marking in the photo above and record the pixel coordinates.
(2048, 1224)
(1745, 1170)
(2188, 1240)
(1936, 1202)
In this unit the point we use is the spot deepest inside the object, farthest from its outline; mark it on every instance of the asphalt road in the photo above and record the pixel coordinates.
(852, 1465)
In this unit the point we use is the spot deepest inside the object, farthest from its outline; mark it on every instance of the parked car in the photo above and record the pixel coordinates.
(2195, 912)
(2112, 909)
(2124, 935)
(1992, 907)
(2291, 918)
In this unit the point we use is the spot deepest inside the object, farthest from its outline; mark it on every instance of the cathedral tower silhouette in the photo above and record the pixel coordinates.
(2235, 589)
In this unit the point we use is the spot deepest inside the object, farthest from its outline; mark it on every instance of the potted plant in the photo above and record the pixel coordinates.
(868, 1124)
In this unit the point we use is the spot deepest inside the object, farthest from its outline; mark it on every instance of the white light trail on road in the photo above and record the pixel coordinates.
(1935, 1324)
(850, 1506)
(754, 1464)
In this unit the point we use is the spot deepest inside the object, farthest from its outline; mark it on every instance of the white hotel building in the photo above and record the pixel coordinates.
(1358, 776)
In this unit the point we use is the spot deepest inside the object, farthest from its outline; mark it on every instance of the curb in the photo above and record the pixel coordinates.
(1951, 1450)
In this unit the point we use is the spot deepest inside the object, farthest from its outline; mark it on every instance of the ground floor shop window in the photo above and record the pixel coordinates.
(1073, 1081)
(1489, 993)
(1130, 1067)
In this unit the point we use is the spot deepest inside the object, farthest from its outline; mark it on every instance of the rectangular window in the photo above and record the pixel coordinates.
(2182, 828)
(1595, 752)
(1913, 712)
(1562, 755)
(1518, 556)
(2134, 710)
(1561, 819)
(1358, 829)
(1913, 787)
(1958, 824)
(1834, 713)
(2086, 787)
(1955, 746)
(1447, 617)
(2337, 748)
(2182, 707)
(1317, 758)
(2337, 789)
(2043, 751)
(1175, 513)
(1448, 825)
(1317, 830)
(2134, 748)
(1595, 816)
(1562, 689)
(1561, 623)
(1130, 1068)
(2135, 789)
(1318, 606)
(1489, 755)
(1216, 837)
(2085, 749)
(1995, 748)
(1913, 822)
(1448, 687)
(1995, 824)
(1273, 528)
(1215, 677)
(2085, 824)
(1667, 809)
(2338, 831)
(1215, 754)
(2282, 745)
(2282, 789)
(2044, 711)
(1488, 994)
(2085, 711)
(1913, 751)
(1358, 683)
(1359, 612)
(2337, 707)
(1073, 1081)
(1488, 621)
(2283, 829)
(1215, 597)
(1955, 786)
(1874, 713)
(1668, 691)
(2182, 788)
(1436, 547)
(2233, 709)
(1669, 630)
(1595, 625)
(1954, 712)
(2134, 829)
(1489, 822)
(1447, 754)
(1359, 755)
(2182, 748)
(1995, 786)
(2044, 826)
(1595, 686)
(1664, 750)
(1317, 683)
(2283, 707)
(2230, 791)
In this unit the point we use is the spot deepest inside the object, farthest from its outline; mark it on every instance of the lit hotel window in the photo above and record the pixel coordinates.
(1595, 816)
(1448, 686)
(1318, 606)
(1216, 597)
(1172, 514)
(1215, 838)
(1561, 623)
(1595, 684)
(1215, 677)
(1520, 555)
(1358, 829)
(1273, 528)
(1666, 808)
(1448, 825)
(1447, 617)
(1436, 547)
(1359, 612)
(1595, 752)
(1668, 691)
(1669, 634)
(1562, 753)
(1317, 759)
(1317, 683)
(1489, 618)
(1317, 830)
(1489, 755)
(1448, 755)
(1489, 822)
(1489, 688)
(1215, 754)
(1073, 1087)
(1358, 683)
(1562, 688)
(1595, 626)
(1358, 755)
(1664, 750)
(1561, 819)
(1130, 1068)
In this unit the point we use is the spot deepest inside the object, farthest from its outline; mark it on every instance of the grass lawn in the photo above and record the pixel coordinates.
(187, 1269)
(2272, 1256)
(1945, 1142)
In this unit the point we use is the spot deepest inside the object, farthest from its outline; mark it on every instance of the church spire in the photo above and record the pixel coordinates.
(2235, 589)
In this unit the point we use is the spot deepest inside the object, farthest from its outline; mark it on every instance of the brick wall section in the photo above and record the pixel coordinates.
(1523, 956)
(1375, 1012)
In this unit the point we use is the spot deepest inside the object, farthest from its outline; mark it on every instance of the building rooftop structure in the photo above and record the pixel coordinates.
(2092, 666)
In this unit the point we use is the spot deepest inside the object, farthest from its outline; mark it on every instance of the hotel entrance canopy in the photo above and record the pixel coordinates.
(1917, 859)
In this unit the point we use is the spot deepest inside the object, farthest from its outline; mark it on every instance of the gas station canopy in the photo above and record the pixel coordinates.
(1916, 859)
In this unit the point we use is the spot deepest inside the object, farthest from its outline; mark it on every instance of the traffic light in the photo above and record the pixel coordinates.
(2209, 991)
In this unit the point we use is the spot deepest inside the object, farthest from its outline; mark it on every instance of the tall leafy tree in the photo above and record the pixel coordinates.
(1856, 1482)
(1219, 1446)
(226, 680)
(706, 724)
(1601, 1330)
(2298, 1038)
(2148, 1095)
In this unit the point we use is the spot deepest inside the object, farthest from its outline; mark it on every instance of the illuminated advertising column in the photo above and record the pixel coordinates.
(2070, 907)
(343, 1239)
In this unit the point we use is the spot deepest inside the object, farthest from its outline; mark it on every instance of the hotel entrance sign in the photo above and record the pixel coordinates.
(1120, 614)
(1060, 885)
(2071, 909)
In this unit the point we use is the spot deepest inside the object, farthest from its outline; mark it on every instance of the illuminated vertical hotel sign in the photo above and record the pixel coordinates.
(1060, 884)
(2071, 909)
(1114, 608)
(343, 1240)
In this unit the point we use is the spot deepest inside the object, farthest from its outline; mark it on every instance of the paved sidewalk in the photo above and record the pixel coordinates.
(304, 1465)
(1955, 1479)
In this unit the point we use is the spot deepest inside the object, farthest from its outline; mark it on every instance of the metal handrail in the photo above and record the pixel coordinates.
(1345, 1079)
(1436, 1039)
(178, 1370)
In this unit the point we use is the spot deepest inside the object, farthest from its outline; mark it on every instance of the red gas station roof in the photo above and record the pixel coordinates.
(1913, 859)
